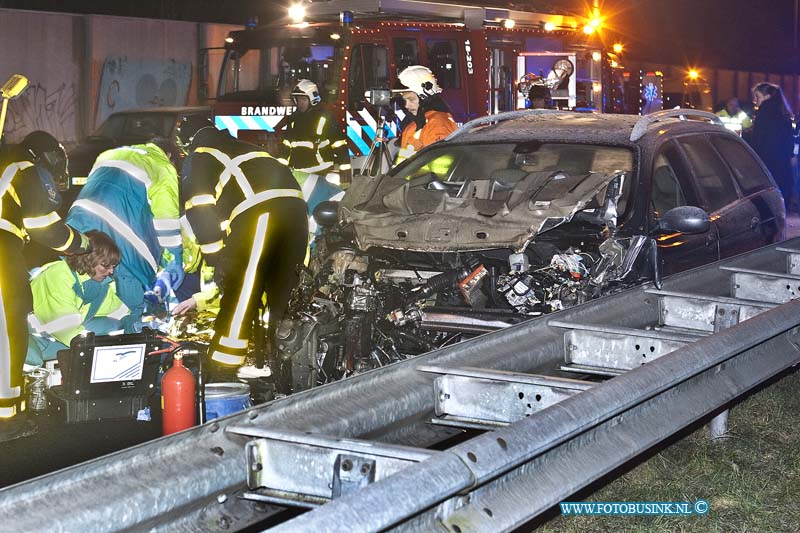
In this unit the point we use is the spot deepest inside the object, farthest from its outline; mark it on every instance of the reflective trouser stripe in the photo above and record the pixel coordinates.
(226, 359)
(233, 338)
(7, 392)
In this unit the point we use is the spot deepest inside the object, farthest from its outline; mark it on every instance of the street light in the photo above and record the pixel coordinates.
(297, 12)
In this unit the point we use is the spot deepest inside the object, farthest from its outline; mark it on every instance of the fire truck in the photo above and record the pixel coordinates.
(484, 59)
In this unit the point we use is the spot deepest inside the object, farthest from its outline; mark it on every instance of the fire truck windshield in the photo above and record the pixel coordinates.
(268, 73)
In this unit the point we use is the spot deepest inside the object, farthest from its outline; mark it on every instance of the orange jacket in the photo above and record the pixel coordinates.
(438, 125)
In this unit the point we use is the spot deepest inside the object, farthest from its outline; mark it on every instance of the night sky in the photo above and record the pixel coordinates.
(735, 34)
(744, 34)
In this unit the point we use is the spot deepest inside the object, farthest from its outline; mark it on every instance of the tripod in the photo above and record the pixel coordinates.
(378, 160)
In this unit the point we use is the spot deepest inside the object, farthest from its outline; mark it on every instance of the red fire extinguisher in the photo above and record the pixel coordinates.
(177, 398)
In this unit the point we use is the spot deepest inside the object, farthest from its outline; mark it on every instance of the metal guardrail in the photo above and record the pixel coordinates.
(537, 454)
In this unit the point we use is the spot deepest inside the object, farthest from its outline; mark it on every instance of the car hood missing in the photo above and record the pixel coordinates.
(427, 214)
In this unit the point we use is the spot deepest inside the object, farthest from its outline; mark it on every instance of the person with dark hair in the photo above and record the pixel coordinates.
(248, 215)
(132, 195)
(429, 118)
(74, 295)
(772, 137)
(540, 97)
(28, 203)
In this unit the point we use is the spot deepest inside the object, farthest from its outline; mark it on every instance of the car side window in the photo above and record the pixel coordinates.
(748, 172)
(712, 177)
(666, 191)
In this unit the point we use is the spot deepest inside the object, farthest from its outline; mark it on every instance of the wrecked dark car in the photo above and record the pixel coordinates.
(514, 216)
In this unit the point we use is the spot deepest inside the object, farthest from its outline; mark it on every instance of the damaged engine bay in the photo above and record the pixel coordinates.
(421, 258)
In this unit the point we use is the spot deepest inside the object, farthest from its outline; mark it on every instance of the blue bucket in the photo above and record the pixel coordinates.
(223, 399)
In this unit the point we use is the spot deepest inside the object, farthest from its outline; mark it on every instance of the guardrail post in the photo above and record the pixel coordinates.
(718, 427)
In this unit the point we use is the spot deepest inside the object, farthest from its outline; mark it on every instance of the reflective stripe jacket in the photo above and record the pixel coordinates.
(222, 182)
(438, 125)
(162, 188)
(132, 194)
(315, 143)
(57, 308)
(739, 119)
(28, 203)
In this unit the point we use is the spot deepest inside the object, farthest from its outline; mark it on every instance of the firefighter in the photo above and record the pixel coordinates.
(73, 295)
(132, 195)
(316, 149)
(429, 117)
(247, 212)
(28, 203)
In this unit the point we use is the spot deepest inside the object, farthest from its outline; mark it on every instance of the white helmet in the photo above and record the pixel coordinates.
(307, 88)
(420, 80)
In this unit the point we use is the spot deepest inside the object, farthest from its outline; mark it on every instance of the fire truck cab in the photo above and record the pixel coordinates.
(483, 58)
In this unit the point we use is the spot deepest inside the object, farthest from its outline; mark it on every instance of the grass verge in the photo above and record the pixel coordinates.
(750, 480)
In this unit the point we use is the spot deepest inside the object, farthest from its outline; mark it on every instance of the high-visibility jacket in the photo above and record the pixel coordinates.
(28, 203)
(314, 142)
(438, 125)
(132, 194)
(62, 301)
(220, 185)
(736, 122)
(247, 212)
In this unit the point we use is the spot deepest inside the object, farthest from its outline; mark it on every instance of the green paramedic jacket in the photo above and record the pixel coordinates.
(59, 311)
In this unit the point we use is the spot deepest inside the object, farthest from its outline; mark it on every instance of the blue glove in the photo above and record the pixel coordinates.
(175, 267)
(160, 290)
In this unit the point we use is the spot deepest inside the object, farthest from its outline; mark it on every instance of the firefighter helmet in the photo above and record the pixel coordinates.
(307, 88)
(47, 153)
(420, 80)
(188, 128)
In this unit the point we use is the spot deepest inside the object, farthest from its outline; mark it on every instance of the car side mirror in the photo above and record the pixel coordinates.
(684, 219)
(326, 213)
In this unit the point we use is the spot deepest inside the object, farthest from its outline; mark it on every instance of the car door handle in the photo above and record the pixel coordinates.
(754, 222)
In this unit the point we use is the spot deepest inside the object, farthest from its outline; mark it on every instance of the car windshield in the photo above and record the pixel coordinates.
(144, 125)
(494, 171)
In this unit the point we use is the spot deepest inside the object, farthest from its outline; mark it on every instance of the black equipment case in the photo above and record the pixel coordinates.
(105, 377)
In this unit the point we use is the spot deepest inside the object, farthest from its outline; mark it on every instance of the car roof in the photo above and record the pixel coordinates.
(188, 110)
(567, 126)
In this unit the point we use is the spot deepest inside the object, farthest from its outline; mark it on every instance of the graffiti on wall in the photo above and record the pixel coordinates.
(41, 108)
(139, 83)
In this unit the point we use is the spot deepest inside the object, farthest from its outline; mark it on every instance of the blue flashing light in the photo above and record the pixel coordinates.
(251, 23)
(346, 17)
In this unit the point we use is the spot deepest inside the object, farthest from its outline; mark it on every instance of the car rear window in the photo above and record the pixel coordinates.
(746, 169)
(713, 179)
(144, 125)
